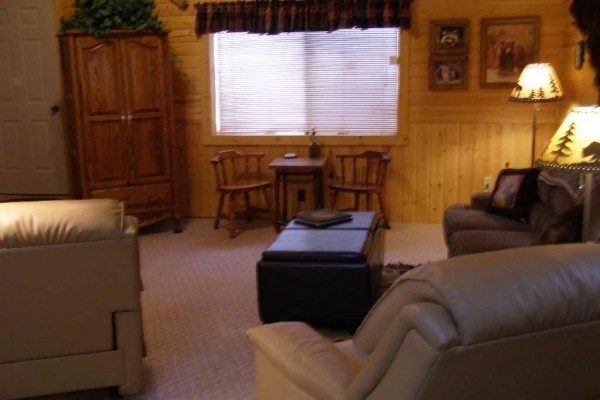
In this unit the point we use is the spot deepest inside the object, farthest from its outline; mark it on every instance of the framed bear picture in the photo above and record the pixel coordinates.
(449, 36)
(507, 46)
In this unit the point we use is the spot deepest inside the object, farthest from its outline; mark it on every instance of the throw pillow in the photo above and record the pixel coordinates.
(515, 191)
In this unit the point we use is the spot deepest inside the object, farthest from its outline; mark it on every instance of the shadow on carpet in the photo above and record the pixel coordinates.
(390, 272)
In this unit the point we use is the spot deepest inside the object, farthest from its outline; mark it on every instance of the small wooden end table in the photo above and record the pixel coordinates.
(296, 170)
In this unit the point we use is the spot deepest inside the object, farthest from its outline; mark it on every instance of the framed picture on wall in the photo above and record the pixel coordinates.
(507, 46)
(449, 36)
(447, 72)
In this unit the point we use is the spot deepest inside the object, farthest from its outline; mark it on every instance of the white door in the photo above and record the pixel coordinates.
(32, 152)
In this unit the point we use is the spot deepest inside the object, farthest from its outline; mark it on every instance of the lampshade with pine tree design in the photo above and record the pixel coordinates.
(538, 83)
(576, 143)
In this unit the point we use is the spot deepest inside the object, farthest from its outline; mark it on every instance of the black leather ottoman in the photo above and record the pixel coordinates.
(326, 277)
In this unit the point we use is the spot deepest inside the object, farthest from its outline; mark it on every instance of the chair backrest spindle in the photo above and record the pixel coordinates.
(367, 168)
(232, 166)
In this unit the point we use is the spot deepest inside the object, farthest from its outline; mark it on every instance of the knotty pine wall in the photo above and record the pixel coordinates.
(455, 138)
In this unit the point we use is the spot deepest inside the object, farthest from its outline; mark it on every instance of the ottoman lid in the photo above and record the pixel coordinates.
(320, 245)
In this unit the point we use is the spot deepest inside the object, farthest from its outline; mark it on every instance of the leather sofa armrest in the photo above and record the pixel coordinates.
(433, 323)
(55, 222)
(481, 200)
(305, 357)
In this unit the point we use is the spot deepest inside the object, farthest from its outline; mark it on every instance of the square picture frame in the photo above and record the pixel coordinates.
(507, 46)
(449, 36)
(448, 72)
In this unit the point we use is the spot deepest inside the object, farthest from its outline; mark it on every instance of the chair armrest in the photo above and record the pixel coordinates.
(305, 357)
(481, 200)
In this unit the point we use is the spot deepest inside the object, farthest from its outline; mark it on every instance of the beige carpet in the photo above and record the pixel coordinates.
(200, 298)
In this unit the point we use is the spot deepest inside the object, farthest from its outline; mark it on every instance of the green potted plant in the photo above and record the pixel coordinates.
(100, 16)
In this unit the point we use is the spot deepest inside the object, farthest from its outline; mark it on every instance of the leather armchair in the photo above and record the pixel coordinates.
(70, 313)
(513, 324)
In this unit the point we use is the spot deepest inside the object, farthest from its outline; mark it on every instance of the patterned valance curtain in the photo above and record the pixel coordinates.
(277, 16)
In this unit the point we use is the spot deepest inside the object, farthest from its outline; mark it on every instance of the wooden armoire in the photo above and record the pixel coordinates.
(118, 119)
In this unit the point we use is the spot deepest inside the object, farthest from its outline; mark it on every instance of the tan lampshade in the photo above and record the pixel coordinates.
(576, 143)
(538, 83)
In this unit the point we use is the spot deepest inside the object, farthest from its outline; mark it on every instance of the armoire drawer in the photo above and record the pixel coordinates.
(139, 196)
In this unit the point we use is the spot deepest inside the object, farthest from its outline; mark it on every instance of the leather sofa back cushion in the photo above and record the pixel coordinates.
(514, 193)
(474, 290)
(42, 223)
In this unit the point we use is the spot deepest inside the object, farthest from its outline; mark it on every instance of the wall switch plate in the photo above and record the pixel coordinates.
(487, 182)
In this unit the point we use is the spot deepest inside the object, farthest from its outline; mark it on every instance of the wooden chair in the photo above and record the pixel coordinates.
(362, 174)
(239, 174)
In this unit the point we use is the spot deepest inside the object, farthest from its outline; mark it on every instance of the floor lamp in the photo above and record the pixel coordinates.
(574, 153)
(538, 83)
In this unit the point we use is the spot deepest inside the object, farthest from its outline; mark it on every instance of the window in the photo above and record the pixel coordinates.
(341, 83)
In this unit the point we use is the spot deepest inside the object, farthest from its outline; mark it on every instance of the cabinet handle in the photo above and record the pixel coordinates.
(123, 118)
(129, 116)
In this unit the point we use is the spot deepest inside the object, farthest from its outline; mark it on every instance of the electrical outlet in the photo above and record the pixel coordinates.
(301, 195)
(487, 182)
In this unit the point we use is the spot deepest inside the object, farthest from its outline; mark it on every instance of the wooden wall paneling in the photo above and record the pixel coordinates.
(544, 134)
(480, 153)
(407, 190)
(396, 185)
(422, 173)
(450, 179)
(454, 138)
(436, 178)
(508, 141)
(465, 178)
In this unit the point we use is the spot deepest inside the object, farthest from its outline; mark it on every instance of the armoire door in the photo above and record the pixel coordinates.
(144, 70)
(104, 121)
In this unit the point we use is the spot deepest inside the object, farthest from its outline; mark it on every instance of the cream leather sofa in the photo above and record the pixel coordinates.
(514, 324)
(69, 298)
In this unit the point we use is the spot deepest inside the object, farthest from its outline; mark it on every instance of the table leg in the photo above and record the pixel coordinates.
(276, 198)
(318, 189)
(284, 213)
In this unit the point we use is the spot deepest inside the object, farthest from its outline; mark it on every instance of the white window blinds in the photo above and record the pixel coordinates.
(344, 82)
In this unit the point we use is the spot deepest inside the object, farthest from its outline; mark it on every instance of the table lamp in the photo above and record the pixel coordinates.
(575, 149)
(538, 83)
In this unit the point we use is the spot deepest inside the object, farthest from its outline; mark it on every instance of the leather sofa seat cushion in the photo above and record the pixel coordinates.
(476, 241)
(461, 217)
(35, 223)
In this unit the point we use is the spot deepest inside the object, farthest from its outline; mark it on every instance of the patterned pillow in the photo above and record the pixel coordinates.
(514, 193)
